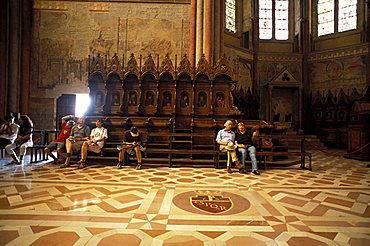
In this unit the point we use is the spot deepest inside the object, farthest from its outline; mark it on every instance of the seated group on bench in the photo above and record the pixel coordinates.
(78, 139)
(16, 135)
(240, 142)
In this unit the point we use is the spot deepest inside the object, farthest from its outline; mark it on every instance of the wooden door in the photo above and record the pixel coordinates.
(66, 105)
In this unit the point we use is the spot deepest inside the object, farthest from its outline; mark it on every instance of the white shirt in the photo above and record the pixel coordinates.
(99, 133)
(13, 137)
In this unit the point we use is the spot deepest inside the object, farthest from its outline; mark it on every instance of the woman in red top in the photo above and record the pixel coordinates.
(60, 142)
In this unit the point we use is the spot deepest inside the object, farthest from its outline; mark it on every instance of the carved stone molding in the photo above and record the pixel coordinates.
(359, 50)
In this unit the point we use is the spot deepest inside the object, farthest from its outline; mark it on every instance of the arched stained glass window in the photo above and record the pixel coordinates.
(347, 15)
(230, 16)
(336, 16)
(274, 19)
(325, 14)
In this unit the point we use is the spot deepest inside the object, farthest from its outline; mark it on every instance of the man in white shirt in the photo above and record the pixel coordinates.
(8, 131)
(225, 138)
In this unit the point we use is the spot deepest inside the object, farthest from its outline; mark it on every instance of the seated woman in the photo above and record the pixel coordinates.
(24, 140)
(96, 142)
(132, 145)
(244, 140)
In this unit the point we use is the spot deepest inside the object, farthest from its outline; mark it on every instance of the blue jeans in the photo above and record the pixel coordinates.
(252, 154)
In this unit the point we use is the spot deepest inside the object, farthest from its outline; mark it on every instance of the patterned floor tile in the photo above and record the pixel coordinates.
(100, 205)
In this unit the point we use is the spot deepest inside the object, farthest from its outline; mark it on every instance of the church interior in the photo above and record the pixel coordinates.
(296, 70)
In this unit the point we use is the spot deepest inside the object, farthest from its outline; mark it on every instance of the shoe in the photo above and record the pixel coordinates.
(60, 161)
(242, 171)
(256, 172)
(138, 167)
(12, 162)
(65, 165)
(82, 165)
(239, 165)
(81, 161)
(120, 165)
(229, 170)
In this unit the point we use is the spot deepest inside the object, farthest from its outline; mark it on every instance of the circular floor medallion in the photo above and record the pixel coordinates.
(211, 202)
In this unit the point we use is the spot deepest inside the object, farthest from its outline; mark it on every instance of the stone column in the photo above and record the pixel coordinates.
(25, 56)
(199, 33)
(368, 41)
(14, 55)
(192, 33)
(208, 27)
(222, 27)
(3, 54)
(305, 45)
(216, 37)
(257, 90)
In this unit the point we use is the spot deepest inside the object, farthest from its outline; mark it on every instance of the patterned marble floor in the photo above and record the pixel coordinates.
(41, 204)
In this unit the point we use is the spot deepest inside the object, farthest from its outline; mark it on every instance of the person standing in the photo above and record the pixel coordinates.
(225, 138)
(95, 143)
(24, 140)
(244, 141)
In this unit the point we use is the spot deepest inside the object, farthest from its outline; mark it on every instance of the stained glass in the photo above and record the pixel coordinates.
(281, 19)
(230, 15)
(347, 15)
(265, 19)
(325, 17)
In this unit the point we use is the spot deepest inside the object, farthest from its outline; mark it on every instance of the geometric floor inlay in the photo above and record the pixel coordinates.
(41, 204)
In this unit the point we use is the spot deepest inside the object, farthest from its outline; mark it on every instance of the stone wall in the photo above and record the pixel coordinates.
(66, 32)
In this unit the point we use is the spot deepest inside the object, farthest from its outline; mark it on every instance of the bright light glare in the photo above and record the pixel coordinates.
(82, 104)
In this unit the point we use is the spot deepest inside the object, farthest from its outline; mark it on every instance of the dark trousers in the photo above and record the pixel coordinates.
(4, 142)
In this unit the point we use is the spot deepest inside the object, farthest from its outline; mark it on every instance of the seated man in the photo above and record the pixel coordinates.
(244, 140)
(8, 131)
(79, 133)
(95, 143)
(132, 145)
(225, 138)
(60, 142)
(24, 140)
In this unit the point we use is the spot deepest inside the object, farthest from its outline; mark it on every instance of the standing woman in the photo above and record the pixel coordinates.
(24, 140)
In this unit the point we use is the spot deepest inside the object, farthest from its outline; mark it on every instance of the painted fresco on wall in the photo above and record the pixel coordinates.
(345, 72)
(100, 45)
(244, 74)
(66, 34)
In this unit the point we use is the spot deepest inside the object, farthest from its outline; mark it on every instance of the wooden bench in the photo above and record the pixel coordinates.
(300, 151)
(172, 152)
(303, 156)
(185, 147)
(41, 139)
